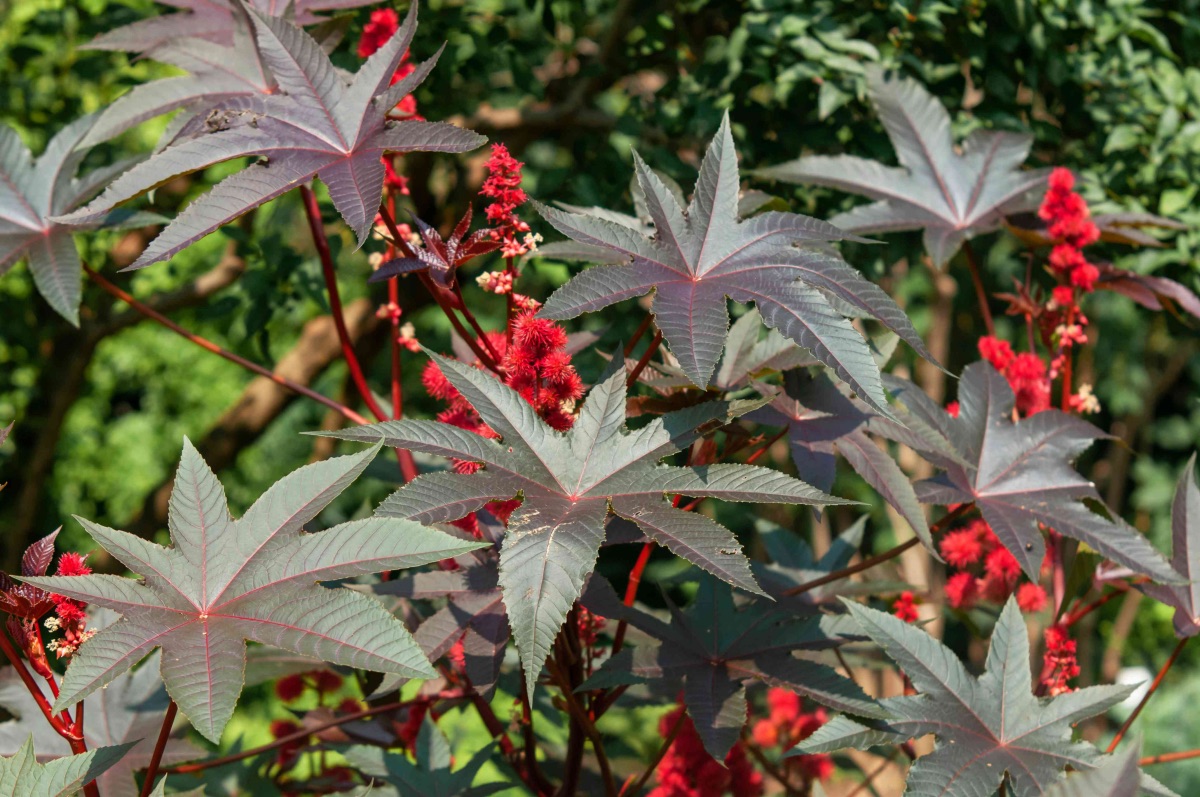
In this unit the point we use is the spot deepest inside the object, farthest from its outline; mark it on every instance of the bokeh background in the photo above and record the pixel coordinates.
(1110, 89)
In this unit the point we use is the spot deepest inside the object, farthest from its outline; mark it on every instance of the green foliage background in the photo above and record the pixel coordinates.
(1110, 89)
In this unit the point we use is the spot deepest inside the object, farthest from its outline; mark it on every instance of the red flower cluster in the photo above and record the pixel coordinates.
(975, 547)
(291, 687)
(382, 26)
(538, 367)
(1026, 374)
(905, 607)
(1059, 662)
(786, 726)
(69, 614)
(1072, 229)
(688, 771)
(503, 187)
(590, 626)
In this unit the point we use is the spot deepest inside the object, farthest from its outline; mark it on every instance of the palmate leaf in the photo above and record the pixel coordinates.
(129, 711)
(567, 483)
(431, 775)
(218, 73)
(1118, 776)
(213, 20)
(316, 125)
(794, 563)
(820, 418)
(985, 728)
(22, 776)
(33, 192)
(699, 257)
(952, 196)
(1185, 556)
(1019, 475)
(224, 581)
(474, 613)
(714, 649)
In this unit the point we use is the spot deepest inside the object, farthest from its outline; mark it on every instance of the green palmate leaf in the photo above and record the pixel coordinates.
(22, 776)
(1185, 556)
(224, 581)
(714, 649)
(213, 20)
(128, 712)
(316, 124)
(34, 191)
(951, 195)
(821, 418)
(700, 256)
(431, 775)
(568, 482)
(986, 728)
(1019, 475)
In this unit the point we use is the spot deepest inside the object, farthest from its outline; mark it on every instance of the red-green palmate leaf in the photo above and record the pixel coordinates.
(713, 648)
(1019, 475)
(820, 417)
(430, 776)
(224, 581)
(33, 192)
(568, 482)
(22, 776)
(1185, 556)
(317, 125)
(129, 711)
(473, 614)
(702, 255)
(951, 195)
(219, 72)
(213, 20)
(986, 727)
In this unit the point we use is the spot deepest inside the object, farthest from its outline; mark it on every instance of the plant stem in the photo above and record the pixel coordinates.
(1068, 361)
(771, 769)
(631, 590)
(845, 572)
(870, 778)
(1084, 611)
(867, 564)
(980, 291)
(207, 344)
(766, 446)
(164, 733)
(636, 786)
(580, 716)
(642, 363)
(1158, 679)
(530, 754)
(301, 735)
(313, 211)
(510, 307)
(637, 334)
(1167, 758)
(489, 358)
(14, 658)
